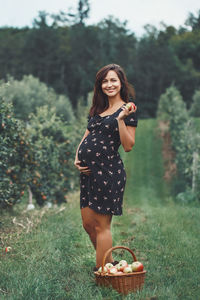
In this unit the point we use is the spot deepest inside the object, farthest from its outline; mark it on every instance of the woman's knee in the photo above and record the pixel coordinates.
(101, 226)
(88, 226)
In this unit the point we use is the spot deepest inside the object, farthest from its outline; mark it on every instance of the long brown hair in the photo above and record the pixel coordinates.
(100, 100)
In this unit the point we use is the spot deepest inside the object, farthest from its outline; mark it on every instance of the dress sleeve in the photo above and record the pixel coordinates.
(131, 120)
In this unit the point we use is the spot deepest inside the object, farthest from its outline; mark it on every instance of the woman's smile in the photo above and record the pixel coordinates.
(111, 84)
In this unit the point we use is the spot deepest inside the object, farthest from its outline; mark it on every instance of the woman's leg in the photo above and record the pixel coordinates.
(98, 226)
(103, 238)
(88, 224)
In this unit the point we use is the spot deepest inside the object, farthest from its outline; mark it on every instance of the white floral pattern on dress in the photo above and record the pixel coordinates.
(103, 189)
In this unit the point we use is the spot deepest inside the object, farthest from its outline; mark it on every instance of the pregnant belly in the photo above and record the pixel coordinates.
(87, 153)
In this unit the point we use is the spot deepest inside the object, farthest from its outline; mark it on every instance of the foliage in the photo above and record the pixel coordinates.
(185, 141)
(13, 152)
(51, 159)
(29, 93)
(195, 107)
(193, 21)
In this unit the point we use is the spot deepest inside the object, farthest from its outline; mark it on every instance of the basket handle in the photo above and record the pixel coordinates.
(114, 248)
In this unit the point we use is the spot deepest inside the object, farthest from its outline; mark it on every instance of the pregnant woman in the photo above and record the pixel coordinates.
(102, 173)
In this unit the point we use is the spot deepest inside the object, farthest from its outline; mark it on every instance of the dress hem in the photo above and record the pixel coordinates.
(101, 213)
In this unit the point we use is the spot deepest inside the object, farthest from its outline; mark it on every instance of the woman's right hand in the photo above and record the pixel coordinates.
(84, 170)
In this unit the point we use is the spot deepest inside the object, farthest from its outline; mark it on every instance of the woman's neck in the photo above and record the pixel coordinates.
(114, 101)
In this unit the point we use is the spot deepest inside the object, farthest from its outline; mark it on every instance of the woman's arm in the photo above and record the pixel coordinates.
(127, 135)
(85, 135)
(77, 162)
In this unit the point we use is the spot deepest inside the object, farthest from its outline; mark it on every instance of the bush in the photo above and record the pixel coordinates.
(51, 166)
(40, 152)
(29, 93)
(13, 152)
(185, 140)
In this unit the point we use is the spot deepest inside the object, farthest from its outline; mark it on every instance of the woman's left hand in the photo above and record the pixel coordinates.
(126, 112)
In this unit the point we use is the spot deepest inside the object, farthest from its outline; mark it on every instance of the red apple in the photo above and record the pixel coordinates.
(121, 265)
(113, 270)
(8, 249)
(119, 273)
(100, 269)
(128, 269)
(137, 266)
(109, 266)
(130, 105)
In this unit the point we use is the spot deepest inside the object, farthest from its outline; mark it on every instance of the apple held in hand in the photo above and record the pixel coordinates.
(130, 105)
(137, 266)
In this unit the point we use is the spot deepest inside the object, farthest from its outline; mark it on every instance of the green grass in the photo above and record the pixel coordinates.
(53, 258)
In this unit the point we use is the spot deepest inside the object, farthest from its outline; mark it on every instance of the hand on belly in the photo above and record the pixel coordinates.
(85, 170)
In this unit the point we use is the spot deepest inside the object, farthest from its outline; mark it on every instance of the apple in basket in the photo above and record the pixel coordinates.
(128, 269)
(137, 266)
(121, 265)
(109, 265)
(113, 271)
(100, 269)
(119, 273)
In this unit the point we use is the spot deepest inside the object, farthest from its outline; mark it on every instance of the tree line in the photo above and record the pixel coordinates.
(65, 54)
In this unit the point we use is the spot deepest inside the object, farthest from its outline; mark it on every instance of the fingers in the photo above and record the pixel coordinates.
(87, 172)
(84, 170)
(128, 112)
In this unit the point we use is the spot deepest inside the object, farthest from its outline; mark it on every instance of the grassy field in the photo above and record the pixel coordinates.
(52, 257)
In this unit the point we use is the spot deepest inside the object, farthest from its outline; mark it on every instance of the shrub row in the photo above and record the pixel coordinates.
(38, 155)
(185, 142)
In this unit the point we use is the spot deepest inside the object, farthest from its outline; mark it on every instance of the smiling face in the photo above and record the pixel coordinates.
(111, 84)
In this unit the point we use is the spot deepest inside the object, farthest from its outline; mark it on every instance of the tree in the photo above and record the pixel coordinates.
(82, 12)
(193, 22)
(155, 68)
(29, 93)
(195, 107)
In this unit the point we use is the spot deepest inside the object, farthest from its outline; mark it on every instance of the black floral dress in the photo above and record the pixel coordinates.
(103, 189)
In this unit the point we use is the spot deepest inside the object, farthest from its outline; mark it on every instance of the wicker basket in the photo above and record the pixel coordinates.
(124, 283)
